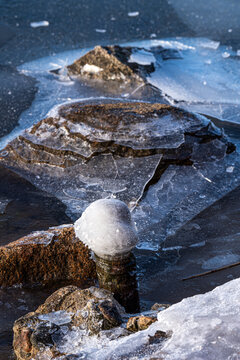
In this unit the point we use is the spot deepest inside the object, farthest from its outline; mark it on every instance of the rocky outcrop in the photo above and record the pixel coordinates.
(118, 70)
(87, 152)
(46, 257)
(112, 63)
(40, 332)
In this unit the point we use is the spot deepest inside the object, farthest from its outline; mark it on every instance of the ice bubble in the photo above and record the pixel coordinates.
(107, 228)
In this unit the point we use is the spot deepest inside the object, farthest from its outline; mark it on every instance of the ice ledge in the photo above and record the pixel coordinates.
(205, 327)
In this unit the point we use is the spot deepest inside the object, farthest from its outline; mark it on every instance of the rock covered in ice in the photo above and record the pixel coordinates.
(42, 332)
(82, 153)
(115, 63)
(107, 228)
(202, 327)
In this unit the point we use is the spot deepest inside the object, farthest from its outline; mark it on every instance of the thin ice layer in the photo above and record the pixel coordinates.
(181, 193)
(206, 78)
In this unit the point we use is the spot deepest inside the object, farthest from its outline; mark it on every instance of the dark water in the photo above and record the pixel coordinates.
(73, 24)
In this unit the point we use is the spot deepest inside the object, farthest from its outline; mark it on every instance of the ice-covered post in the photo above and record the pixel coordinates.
(106, 227)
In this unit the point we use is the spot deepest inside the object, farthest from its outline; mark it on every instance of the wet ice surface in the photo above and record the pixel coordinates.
(180, 194)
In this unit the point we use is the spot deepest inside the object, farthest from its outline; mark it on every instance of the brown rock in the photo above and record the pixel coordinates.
(46, 257)
(91, 309)
(138, 323)
(111, 63)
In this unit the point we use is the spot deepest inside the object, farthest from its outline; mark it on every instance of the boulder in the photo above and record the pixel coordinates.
(41, 332)
(46, 257)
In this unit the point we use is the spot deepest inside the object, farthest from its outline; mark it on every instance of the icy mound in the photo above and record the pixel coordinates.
(202, 327)
(107, 228)
(205, 327)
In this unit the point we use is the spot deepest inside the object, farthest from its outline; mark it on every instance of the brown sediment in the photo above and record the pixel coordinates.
(46, 258)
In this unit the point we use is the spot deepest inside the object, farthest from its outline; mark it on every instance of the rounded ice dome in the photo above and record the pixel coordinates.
(106, 227)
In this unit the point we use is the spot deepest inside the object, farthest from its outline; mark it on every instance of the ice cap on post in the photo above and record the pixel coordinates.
(106, 227)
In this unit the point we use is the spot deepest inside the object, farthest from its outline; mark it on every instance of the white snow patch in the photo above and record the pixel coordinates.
(36, 24)
(91, 69)
(101, 30)
(107, 228)
(230, 169)
(133, 13)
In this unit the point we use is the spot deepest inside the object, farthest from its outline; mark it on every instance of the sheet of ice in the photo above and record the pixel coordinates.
(205, 327)
(38, 237)
(181, 193)
(220, 260)
(60, 317)
(52, 89)
(159, 132)
(206, 79)
(36, 24)
(103, 176)
(142, 57)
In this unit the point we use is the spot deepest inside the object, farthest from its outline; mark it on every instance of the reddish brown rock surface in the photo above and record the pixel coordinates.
(46, 257)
